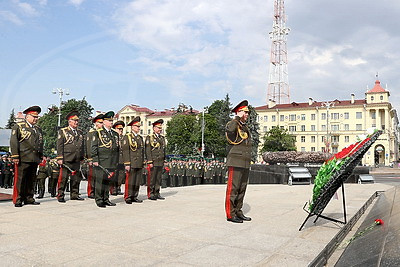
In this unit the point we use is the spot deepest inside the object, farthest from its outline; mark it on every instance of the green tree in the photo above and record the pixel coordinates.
(11, 120)
(48, 122)
(254, 127)
(179, 133)
(278, 139)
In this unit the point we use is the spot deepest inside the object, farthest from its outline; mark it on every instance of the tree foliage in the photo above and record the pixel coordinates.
(11, 120)
(48, 122)
(278, 139)
(179, 133)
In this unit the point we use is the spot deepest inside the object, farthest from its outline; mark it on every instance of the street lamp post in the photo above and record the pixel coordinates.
(328, 105)
(202, 136)
(61, 92)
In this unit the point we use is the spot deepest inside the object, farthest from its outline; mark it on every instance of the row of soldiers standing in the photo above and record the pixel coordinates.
(104, 149)
(193, 171)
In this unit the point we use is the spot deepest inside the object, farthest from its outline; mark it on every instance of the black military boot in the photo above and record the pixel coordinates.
(41, 193)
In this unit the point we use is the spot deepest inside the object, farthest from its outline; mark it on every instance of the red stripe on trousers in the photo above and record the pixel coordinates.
(89, 186)
(228, 193)
(59, 181)
(148, 181)
(126, 193)
(15, 189)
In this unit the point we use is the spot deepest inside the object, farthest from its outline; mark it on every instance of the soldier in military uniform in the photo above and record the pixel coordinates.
(155, 155)
(7, 171)
(70, 153)
(98, 124)
(26, 145)
(115, 188)
(53, 179)
(238, 162)
(42, 174)
(105, 152)
(133, 158)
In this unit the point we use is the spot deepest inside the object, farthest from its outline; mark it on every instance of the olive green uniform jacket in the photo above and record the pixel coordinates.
(26, 142)
(239, 139)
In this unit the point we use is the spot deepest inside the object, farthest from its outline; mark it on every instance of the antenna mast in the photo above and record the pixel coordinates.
(278, 85)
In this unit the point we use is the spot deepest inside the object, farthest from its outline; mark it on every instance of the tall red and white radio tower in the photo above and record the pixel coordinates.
(278, 84)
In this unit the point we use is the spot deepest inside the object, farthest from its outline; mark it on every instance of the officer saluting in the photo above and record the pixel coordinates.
(155, 155)
(133, 158)
(26, 143)
(70, 153)
(238, 162)
(104, 152)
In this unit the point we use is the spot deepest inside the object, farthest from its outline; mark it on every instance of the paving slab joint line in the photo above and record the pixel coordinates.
(323, 256)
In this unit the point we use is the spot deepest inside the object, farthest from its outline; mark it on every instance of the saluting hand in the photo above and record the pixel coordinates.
(96, 164)
(127, 168)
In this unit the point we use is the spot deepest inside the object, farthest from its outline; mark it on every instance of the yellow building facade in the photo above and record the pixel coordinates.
(332, 126)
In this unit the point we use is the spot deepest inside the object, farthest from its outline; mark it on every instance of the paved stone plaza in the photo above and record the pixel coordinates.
(187, 229)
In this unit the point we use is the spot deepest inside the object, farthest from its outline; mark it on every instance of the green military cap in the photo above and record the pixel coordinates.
(242, 106)
(119, 125)
(135, 121)
(158, 123)
(109, 116)
(72, 115)
(98, 118)
(34, 110)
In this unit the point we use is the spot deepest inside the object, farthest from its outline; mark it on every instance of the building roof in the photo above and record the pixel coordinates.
(377, 88)
(170, 112)
(338, 103)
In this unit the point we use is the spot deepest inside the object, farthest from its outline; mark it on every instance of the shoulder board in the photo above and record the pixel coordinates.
(65, 128)
(91, 130)
(99, 130)
(22, 123)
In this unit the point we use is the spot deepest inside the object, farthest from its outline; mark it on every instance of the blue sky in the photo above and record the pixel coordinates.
(158, 54)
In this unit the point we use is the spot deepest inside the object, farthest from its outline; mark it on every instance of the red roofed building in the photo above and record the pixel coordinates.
(148, 116)
(317, 128)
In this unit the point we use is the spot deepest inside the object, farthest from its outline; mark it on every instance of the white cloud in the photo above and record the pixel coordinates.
(353, 61)
(11, 17)
(42, 2)
(76, 3)
(28, 9)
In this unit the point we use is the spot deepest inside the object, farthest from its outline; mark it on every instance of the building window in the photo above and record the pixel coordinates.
(323, 116)
(303, 117)
(281, 117)
(148, 131)
(358, 115)
(303, 149)
(373, 125)
(323, 138)
(292, 117)
(323, 127)
(313, 128)
(292, 128)
(346, 127)
(323, 149)
(265, 118)
(358, 127)
(303, 128)
(312, 139)
(381, 97)
(313, 149)
(273, 118)
(149, 123)
(346, 116)
(335, 138)
(373, 115)
(334, 150)
(334, 116)
(303, 138)
(313, 117)
(265, 128)
(335, 127)
(347, 139)
(282, 127)
(372, 98)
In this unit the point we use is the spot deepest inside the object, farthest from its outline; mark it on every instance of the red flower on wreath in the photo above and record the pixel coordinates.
(110, 175)
(379, 222)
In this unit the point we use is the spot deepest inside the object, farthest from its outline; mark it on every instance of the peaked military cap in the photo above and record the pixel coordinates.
(73, 115)
(242, 106)
(98, 118)
(109, 116)
(135, 121)
(119, 125)
(34, 110)
(158, 123)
